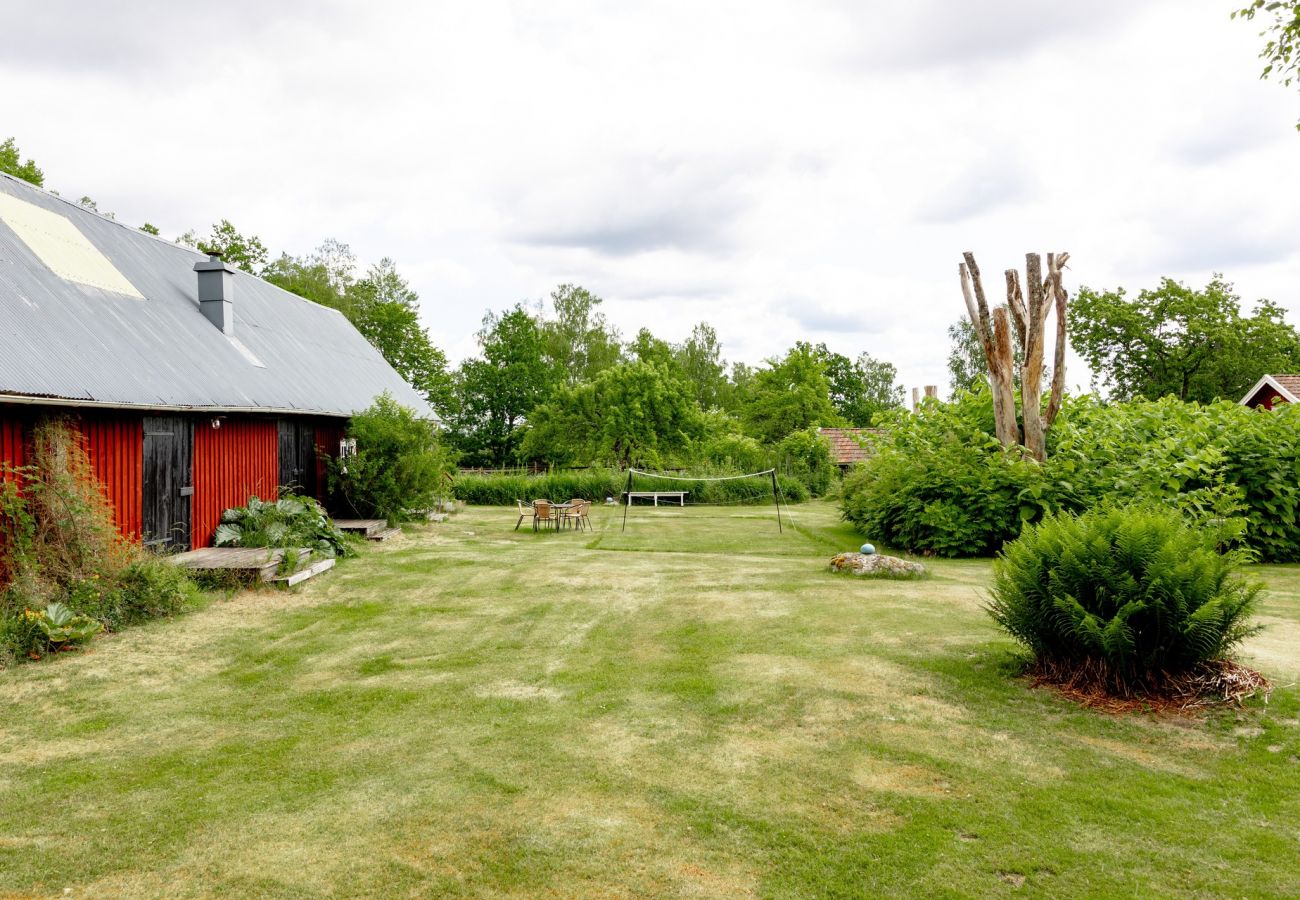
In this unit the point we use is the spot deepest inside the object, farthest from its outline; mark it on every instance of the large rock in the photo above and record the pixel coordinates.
(876, 565)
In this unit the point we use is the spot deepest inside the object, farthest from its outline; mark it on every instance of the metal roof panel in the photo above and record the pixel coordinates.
(63, 338)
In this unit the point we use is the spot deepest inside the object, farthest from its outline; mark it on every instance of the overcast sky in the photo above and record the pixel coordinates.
(782, 170)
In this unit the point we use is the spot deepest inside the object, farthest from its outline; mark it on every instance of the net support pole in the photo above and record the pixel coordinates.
(627, 494)
(777, 501)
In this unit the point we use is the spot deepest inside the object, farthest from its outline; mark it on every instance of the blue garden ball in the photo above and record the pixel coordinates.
(867, 549)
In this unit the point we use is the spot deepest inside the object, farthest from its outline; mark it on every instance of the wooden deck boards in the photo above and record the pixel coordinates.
(360, 526)
(252, 562)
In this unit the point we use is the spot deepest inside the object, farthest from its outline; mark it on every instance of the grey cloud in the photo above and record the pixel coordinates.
(986, 185)
(1203, 239)
(1217, 134)
(930, 33)
(689, 205)
(1221, 247)
(144, 38)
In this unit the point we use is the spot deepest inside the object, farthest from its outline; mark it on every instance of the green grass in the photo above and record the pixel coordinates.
(474, 711)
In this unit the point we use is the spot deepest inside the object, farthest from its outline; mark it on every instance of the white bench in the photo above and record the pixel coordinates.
(655, 495)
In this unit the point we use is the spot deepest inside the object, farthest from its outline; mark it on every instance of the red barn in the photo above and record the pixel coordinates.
(1271, 391)
(194, 385)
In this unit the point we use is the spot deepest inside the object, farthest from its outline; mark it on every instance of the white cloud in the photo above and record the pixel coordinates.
(784, 170)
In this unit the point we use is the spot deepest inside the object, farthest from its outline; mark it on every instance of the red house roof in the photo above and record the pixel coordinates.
(846, 446)
(1272, 390)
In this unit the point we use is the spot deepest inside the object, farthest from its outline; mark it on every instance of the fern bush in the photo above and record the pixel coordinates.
(1125, 597)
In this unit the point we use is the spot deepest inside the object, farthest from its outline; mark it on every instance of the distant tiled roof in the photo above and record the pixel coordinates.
(846, 446)
(1290, 382)
(1271, 388)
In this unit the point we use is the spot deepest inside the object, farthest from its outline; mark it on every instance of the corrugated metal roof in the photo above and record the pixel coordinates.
(63, 339)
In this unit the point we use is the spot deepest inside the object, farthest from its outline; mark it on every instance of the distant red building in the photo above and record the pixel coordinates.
(847, 447)
(1272, 390)
(193, 385)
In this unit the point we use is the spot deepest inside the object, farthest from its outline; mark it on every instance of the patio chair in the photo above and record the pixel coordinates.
(544, 514)
(582, 517)
(574, 514)
(525, 510)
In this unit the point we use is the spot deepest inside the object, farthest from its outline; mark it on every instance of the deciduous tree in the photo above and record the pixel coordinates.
(788, 395)
(387, 312)
(11, 162)
(579, 341)
(634, 414)
(496, 391)
(1175, 340)
(1281, 53)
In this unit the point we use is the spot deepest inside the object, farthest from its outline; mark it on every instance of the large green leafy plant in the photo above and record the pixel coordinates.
(1125, 598)
(290, 522)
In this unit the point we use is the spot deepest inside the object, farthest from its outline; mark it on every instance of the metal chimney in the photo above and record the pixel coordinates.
(217, 292)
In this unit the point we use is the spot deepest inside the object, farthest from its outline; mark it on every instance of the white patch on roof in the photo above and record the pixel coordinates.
(247, 354)
(62, 247)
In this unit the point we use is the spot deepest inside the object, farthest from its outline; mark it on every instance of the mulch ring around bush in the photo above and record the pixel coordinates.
(1222, 682)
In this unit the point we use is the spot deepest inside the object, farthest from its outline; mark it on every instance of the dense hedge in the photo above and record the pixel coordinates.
(597, 484)
(939, 482)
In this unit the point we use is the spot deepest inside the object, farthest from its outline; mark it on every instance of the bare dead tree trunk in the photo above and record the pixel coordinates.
(997, 350)
(1055, 262)
(1026, 316)
(1008, 429)
(1031, 372)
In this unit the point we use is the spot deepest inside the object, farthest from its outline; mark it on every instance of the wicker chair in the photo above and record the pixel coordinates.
(581, 517)
(576, 512)
(525, 511)
(545, 514)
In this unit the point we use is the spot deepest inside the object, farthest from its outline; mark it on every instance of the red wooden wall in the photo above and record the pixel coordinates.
(115, 446)
(241, 459)
(13, 453)
(13, 446)
(328, 434)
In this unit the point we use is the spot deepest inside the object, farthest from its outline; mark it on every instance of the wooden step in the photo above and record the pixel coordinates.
(252, 563)
(366, 527)
(384, 535)
(321, 565)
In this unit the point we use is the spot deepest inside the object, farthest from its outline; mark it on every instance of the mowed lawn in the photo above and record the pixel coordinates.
(696, 707)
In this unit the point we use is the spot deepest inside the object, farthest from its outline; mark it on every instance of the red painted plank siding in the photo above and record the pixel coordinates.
(241, 459)
(115, 447)
(13, 445)
(328, 434)
(13, 454)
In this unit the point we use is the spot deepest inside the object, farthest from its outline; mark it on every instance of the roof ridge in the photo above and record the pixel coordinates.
(195, 251)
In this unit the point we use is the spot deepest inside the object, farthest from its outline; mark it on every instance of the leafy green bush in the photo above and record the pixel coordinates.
(60, 551)
(290, 522)
(806, 456)
(1123, 597)
(398, 467)
(504, 490)
(597, 484)
(734, 452)
(940, 483)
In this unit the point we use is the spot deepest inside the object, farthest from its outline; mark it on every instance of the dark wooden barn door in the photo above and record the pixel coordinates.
(298, 457)
(168, 482)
